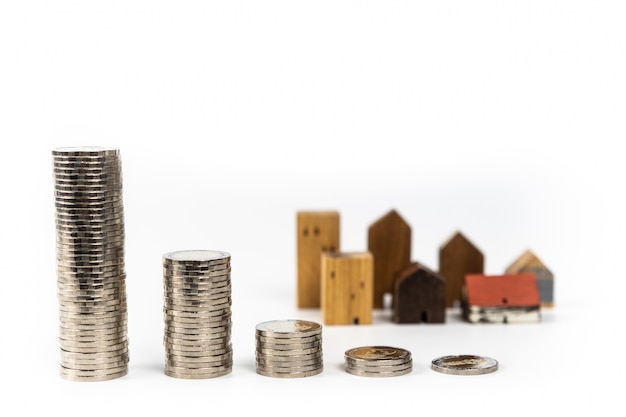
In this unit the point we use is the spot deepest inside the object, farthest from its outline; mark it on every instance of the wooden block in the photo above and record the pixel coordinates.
(511, 298)
(529, 262)
(389, 241)
(347, 287)
(317, 232)
(420, 296)
(457, 258)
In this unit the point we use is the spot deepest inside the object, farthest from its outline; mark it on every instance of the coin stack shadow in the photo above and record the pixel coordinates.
(197, 314)
(289, 349)
(91, 278)
(378, 361)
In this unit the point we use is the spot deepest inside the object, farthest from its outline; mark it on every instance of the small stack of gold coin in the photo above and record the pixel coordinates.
(91, 276)
(378, 361)
(197, 314)
(289, 349)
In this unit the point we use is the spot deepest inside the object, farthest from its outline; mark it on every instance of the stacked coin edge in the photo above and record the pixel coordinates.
(378, 361)
(289, 349)
(91, 276)
(197, 314)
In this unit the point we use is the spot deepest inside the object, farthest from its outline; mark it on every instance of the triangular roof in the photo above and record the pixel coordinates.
(511, 290)
(526, 260)
(458, 237)
(391, 216)
(414, 267)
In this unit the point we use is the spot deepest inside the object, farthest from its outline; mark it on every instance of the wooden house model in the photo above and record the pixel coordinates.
(420, 296)
(457, 258)
(317, 232)
(347, 287)
(529, 262)
(510, 298)
(389, 241)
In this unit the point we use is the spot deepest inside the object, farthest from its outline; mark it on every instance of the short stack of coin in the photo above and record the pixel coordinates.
(197, 314)
(378, 361)
(91, 274)
(289, 349)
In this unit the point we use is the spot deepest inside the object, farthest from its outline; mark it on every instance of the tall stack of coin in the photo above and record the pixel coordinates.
(90, 263)
(289, 349)
(378, 361)
(197, 314)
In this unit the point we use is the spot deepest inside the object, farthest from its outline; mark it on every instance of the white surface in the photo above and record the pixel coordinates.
(503, 119)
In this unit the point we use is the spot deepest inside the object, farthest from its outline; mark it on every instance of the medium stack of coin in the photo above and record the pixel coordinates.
(289, 349)
(378, 361)
(90, 263)
(197, 314)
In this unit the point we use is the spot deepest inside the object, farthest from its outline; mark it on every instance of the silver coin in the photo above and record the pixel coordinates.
(199, 315)
(289, 374)
(199, 289)
(83, 183)
(464, 365)
(192, 266)
(198, 304)
(378, 355)
(95, 363)
(178, 292)
(113, 321)
(289, 347)
(198, 336)
(205, 282)
(178, 327)
(97, 372)
(198, 331)
(288, 341)
(82, 293)
(92, 347)
(288, 358)
(288, 328)
(380, 374)
(184, 352)
(85, 161)
(198, 371)
(199, 310)
(206, 375)
(292, 352)
(193, 322)
(93, 378)
(288, 369)
(94, 317)
(196, 273)
(80, 333)
(195, 363)
(197, 256)
(209, 356)
(289, 361)
(71, 355)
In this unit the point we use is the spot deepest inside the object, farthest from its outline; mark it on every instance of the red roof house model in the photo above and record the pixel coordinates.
(501, 298)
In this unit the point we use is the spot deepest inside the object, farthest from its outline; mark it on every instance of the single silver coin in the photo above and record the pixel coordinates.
(464, 365)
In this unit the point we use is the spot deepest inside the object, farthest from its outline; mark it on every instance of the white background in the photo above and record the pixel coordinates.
(502, 119)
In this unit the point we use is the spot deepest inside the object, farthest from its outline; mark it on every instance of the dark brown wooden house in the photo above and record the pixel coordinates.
(419, 296)
(389, 241)
(457, 258)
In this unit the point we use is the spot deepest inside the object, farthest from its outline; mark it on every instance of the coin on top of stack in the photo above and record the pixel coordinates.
(197, 313)
(378, 361)
(91, 278)
(289, 348)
